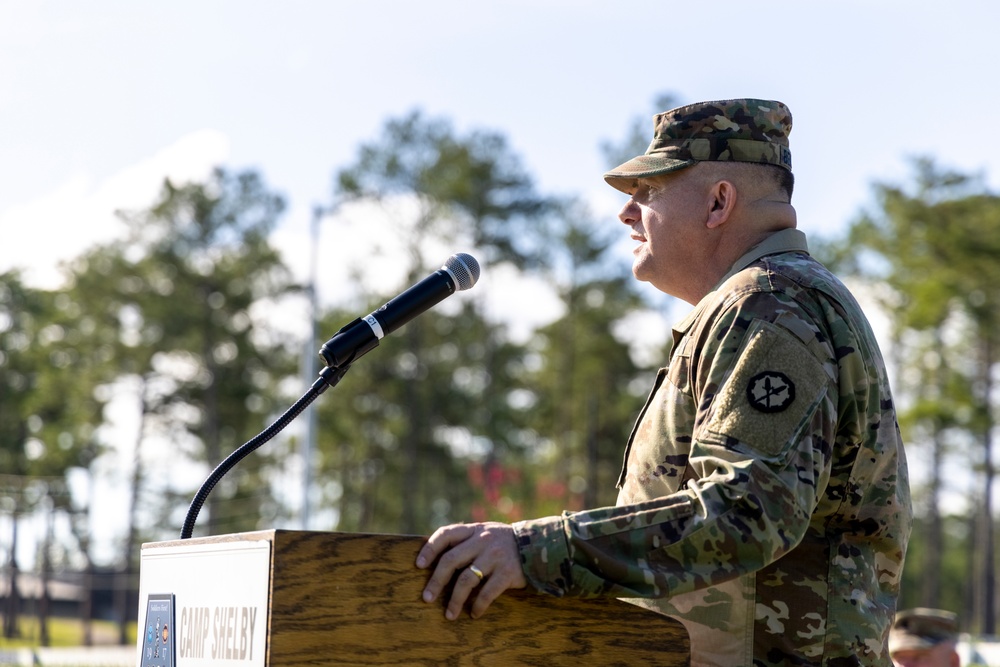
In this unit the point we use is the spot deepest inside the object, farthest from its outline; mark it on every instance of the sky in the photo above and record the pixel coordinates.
(100, 101)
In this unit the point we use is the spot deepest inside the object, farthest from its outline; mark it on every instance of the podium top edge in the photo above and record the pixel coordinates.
(270, 534)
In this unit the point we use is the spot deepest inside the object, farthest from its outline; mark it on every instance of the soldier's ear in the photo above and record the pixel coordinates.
(721, 203)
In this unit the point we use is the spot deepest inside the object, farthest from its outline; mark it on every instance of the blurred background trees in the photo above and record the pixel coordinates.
(455, 417)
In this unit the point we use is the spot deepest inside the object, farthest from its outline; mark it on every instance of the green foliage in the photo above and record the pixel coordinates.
(471, 186)
(400, 430)
(435, 400)
(173, 306)
(48, 413)
(955, 566)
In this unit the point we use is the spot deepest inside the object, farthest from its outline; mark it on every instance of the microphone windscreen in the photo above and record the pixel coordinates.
(464, 269)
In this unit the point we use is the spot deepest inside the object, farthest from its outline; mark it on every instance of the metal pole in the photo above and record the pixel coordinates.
(310, 368)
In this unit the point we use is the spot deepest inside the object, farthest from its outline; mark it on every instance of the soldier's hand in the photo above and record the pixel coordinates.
(484, 555)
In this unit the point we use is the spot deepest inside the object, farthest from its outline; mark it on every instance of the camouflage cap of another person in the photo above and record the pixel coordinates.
(740, 130)
(922, 628)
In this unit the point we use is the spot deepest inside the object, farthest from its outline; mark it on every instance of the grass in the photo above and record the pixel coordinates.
(64, 632)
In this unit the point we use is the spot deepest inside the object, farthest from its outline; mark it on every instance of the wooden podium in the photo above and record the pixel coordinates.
(290, 598)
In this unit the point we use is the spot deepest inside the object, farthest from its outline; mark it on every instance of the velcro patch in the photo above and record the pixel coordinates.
(771, 392)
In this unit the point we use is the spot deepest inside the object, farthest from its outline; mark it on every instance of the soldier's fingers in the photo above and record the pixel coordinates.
(461, 553)
(440, 540)
(491, 589)
(505, 574)
(465, 583)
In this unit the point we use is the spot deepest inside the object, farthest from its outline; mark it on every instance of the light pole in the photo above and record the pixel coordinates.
(312, 351)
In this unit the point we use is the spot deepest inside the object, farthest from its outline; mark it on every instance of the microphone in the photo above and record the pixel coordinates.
(460, 272)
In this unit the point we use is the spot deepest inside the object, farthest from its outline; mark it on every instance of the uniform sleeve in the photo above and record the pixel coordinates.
(759, 458)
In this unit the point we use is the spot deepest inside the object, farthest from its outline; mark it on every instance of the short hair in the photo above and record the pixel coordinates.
(785, 178)
(763, 175)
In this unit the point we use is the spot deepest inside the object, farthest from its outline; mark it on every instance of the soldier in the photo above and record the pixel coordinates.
(764, 499)
(924, 637)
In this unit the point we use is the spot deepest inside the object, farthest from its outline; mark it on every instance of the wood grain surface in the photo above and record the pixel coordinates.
(354, 599)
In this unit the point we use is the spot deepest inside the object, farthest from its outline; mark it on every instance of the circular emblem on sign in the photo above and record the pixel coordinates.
(770, 391)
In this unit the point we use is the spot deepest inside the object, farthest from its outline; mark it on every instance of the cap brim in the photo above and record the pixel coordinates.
(911, 643)
(624, 176)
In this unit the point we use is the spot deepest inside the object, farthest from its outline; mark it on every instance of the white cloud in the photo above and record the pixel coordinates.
(523, 302)
(63, 223)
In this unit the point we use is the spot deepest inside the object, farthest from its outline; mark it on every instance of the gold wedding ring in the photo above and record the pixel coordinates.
(476, 571)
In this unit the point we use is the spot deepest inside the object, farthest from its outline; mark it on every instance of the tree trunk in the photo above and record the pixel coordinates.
(593, 462)
(970, 584)
(930, 593)
(12, 608)
(931, 586)
(989, 555)
(417, 437)
(211, 432)
(123, 609)
(87, 609)
(44, 599)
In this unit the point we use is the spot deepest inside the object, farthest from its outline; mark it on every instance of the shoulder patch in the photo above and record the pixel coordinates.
(772, 391)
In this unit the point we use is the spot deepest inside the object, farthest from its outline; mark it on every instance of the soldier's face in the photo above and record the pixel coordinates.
(667, 216)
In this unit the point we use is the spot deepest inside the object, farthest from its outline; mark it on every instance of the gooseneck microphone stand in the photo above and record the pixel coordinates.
(328, 377)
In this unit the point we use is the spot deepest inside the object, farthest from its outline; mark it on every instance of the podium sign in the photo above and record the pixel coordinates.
(297, 598)
(219, 592)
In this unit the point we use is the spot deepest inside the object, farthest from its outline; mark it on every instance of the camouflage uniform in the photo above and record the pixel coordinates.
(764, 499)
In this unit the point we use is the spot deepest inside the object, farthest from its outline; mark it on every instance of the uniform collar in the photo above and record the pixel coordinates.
(786, 240)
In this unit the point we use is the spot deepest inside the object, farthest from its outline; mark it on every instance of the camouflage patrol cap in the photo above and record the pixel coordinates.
(742, 130)
(922, 628)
